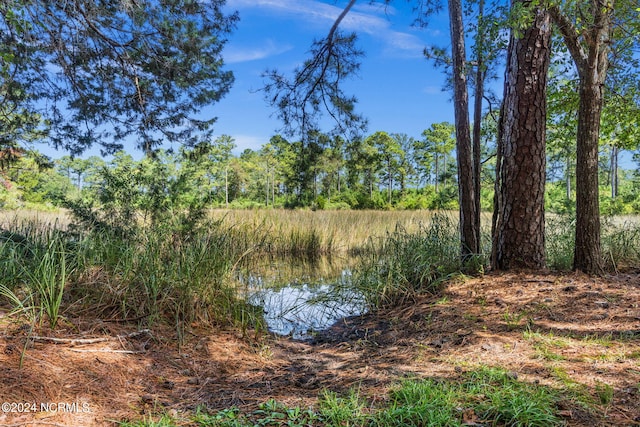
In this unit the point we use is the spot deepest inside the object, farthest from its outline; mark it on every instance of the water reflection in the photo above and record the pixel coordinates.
(299, 297)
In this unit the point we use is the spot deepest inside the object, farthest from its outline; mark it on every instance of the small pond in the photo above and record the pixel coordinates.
(300, 297)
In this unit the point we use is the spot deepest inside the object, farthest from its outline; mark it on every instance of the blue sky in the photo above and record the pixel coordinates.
(398, 90)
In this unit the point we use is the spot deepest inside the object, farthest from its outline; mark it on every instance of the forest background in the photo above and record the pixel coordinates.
(328, 170)
(380, 171)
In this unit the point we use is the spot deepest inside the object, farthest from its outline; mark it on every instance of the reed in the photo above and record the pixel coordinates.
(620, 239)
(402, 264)
(621, 243)
(36, 265)
(153, 274)
(48, 274)
(321, 232)
(163, 276)
(560, 237)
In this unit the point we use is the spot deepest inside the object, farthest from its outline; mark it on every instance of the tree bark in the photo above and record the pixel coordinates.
(589, 50)
(519, 240)
(468, 237)
(567, 177)
(587, 257)
(477, 117)
(614, 172)
(437, 177)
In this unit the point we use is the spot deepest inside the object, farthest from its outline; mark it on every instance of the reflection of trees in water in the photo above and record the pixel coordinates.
(299, 297)
(276, 272)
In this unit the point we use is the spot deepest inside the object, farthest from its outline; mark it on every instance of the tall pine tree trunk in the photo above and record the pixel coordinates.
(589, 49)
(477, 116)
(614, 171)
(567, 177)
(519, 231)
(470, 244)
(587, 256)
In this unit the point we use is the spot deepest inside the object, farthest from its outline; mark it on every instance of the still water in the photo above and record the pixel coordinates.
(300, 297)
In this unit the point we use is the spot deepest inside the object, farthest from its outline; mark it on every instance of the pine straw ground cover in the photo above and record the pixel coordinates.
(575, 334)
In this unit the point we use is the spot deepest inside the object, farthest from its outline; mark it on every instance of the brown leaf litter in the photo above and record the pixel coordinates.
(561, 330)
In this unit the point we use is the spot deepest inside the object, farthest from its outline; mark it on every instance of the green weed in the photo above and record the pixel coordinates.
(162, 421)
(604, 392)
(544, 344)
(346, 411)
(486, 396)
(513, 320)
(576, 391)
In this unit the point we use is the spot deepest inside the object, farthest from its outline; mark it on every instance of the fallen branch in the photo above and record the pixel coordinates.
(31, 423)
(82, 341)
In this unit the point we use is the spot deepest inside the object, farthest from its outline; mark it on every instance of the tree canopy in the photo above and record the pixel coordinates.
(103, 71)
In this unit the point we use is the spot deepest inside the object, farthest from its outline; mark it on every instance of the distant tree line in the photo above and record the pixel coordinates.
(379, 171)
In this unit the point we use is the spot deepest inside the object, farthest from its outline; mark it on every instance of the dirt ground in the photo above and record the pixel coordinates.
(567, 331)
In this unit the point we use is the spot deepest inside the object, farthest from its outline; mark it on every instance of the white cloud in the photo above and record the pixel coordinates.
(375, 8)
(307, 9)
(235, 54)
(405, 42)
(368, 19)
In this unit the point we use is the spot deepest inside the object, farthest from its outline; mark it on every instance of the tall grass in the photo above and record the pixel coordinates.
(35, 266)
(180, 275)
(161, 275)
(620, 240)
(152, 274)
(559, 238)
(621, 243)
(48, 274)
(402, 264)
(293, 231)
(166, 273)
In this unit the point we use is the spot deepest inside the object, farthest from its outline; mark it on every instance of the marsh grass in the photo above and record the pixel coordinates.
(36, 264)
(402, 264)
(621, 243)
(163, 276)
(285, 231)
(184, 273)
(620, 238)
(559, 237)
(48, 274)
(153, 274)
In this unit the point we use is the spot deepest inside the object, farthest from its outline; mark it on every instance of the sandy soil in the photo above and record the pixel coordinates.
(560, 330)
